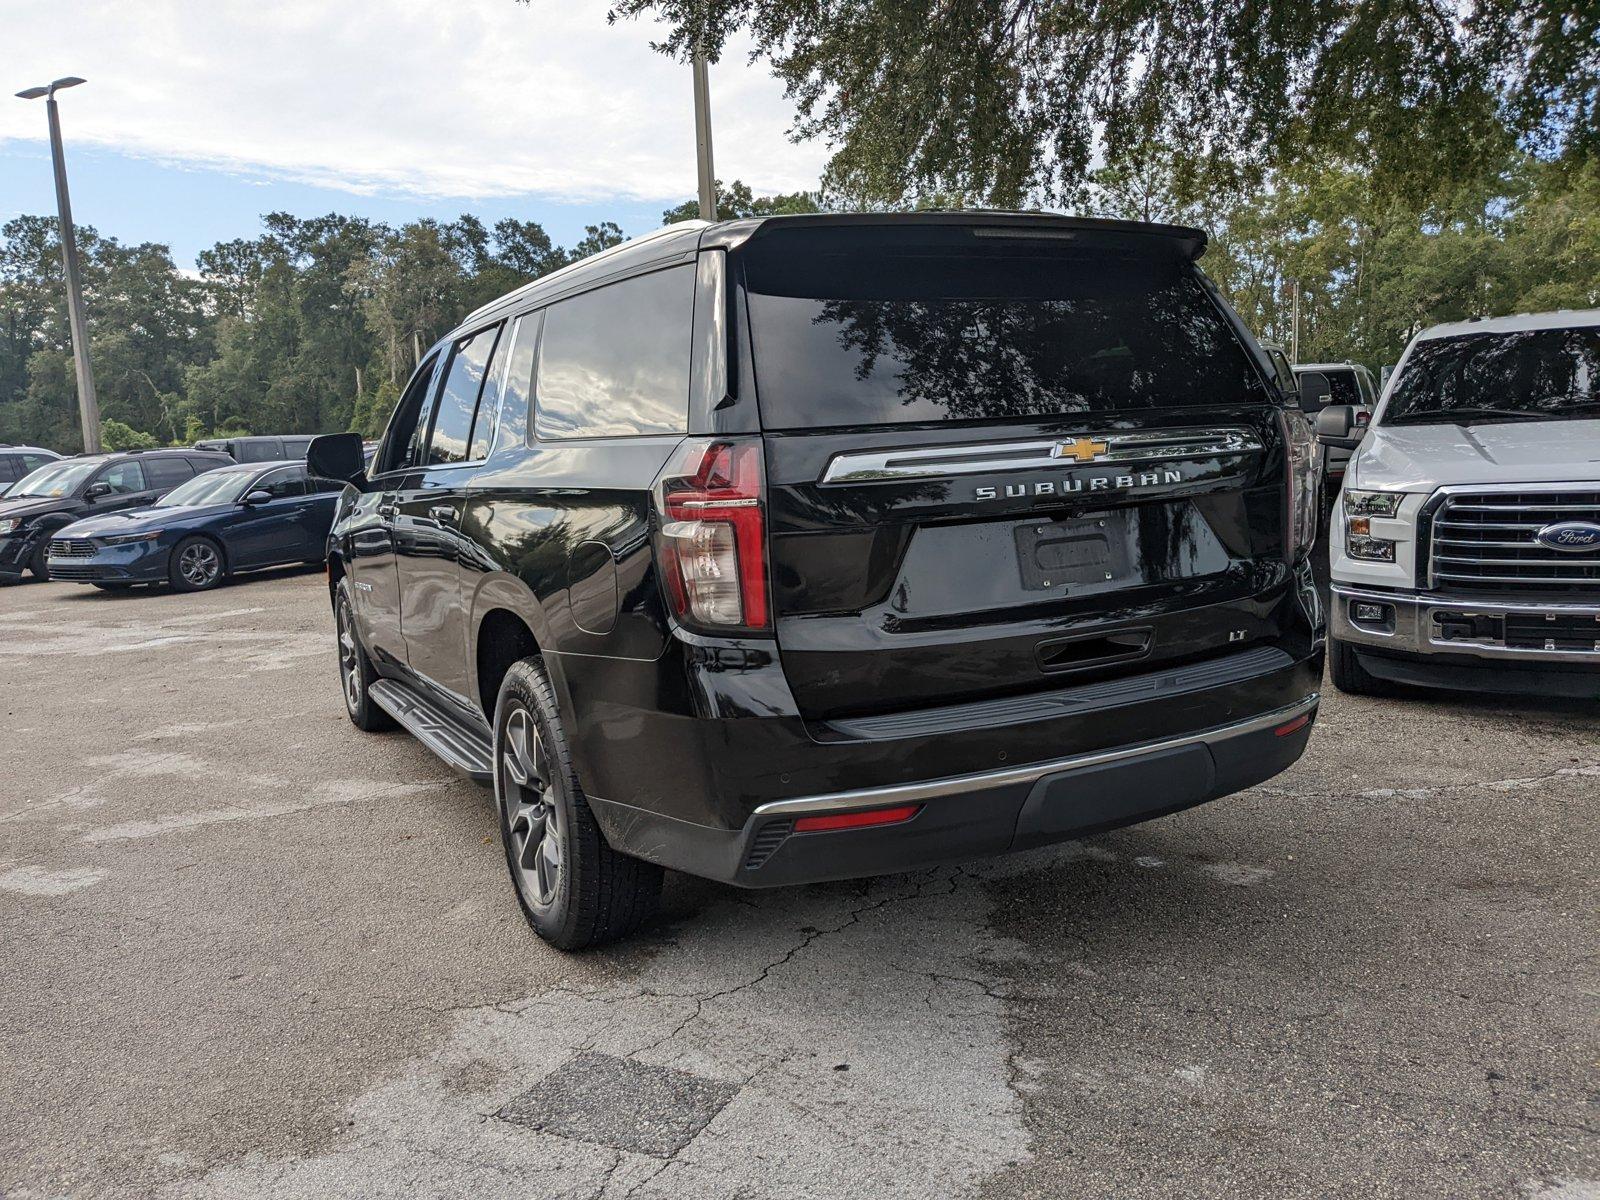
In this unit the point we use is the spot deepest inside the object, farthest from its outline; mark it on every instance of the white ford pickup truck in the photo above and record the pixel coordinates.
(1466, 541)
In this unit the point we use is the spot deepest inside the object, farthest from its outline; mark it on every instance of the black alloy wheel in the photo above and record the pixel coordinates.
(573, 888)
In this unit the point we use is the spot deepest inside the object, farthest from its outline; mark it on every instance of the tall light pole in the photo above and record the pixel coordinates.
(702, 136)
(88, 405)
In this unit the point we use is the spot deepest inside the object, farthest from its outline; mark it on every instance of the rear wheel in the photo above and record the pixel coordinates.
(1350, 676)
(356, 675)
(573, 888)
(196, 565)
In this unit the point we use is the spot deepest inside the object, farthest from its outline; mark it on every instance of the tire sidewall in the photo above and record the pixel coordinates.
(527, 687)
(175, 573)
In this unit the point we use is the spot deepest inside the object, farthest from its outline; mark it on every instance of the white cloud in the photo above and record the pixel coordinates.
(439, 98)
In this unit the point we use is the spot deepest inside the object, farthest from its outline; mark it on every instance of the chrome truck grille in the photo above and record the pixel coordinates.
(1488, 541)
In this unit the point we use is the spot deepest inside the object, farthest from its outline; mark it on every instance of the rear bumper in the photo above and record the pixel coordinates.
(972, 815)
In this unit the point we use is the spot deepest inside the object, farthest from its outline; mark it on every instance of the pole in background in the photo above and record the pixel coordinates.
(1294, 328)
(416, 349)
(88, 404)
(702, 137)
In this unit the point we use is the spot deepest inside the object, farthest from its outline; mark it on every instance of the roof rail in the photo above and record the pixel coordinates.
(675, 227)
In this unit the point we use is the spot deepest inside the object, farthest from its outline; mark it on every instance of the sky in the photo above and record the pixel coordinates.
(200, 115)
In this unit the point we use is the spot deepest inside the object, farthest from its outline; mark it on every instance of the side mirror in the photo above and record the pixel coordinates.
(337, 456)
(1336, 426)
(259, 496)
(95, 490)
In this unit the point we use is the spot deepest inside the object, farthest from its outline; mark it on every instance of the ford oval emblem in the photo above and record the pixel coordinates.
(1575, 537)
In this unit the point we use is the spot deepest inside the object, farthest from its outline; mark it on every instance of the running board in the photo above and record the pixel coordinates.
(467, 750)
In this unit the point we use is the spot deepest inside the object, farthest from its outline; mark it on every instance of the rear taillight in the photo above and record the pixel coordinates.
(1300, 468)
(713, 535)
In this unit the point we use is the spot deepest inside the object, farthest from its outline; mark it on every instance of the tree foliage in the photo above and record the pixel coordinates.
(270, 335)
(1003, 102)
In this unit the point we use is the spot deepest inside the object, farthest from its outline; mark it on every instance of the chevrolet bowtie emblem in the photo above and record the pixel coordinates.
(1080, 450)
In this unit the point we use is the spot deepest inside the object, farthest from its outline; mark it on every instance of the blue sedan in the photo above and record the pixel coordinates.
(233, 519)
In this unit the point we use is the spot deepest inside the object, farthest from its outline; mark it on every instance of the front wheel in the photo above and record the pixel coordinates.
(356, 675)
(196, 565)
(38, 563)
(573, 888)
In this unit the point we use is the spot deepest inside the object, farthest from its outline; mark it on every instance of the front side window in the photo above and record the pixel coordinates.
(291, 481)
(1532, 374)
(615, 361)
(399, 441)
(123, 478)
(458, 399)
(856, 327)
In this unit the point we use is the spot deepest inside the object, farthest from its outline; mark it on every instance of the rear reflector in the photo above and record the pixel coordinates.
(1294, 726)
(857, 820)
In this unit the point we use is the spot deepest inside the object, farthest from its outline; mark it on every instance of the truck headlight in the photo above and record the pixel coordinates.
(9, 525)
(1372, 504)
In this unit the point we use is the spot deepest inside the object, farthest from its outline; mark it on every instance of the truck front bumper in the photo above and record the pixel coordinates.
(1517, 644)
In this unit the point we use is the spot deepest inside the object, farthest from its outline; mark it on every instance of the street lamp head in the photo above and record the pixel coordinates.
(65, 81)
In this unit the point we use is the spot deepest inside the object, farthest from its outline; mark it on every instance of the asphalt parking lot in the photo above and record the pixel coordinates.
(249, 951)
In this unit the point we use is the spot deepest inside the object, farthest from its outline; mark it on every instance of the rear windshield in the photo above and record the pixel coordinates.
(867, 334)
(1534, 374)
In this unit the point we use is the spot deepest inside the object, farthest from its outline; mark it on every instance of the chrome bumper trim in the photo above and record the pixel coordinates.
(1413, 625)
(955, 785)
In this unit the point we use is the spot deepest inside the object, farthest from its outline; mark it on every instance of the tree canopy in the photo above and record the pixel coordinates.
(1013, 102)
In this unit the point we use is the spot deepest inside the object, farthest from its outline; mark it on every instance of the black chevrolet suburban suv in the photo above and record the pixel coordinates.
(69, 489)
(806, 548)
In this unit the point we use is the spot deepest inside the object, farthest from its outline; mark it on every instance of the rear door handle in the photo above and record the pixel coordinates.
(442, 512)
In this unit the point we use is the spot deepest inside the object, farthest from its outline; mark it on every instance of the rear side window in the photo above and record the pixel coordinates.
(296, 447)
(32, 462)
(259, 450)
(859, 327)
(615, 361)
(10, 469)
(167, 472)
(458, 401)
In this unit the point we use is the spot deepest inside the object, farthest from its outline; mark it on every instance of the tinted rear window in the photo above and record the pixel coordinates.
(868, 334)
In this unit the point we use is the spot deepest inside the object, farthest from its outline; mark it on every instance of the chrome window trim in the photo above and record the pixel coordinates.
(932, 789)
(898, 464)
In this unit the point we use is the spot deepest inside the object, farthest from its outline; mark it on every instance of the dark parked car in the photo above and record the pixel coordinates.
(69, 489)
(254, 449)
(17, 461)
(236, 518)
(815, 547)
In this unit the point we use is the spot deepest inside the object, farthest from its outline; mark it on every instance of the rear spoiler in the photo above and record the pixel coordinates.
(1189, 243)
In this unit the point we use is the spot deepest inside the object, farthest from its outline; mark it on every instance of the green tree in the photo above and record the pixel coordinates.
(1009, 101)
(736, 200)
(114, 435)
